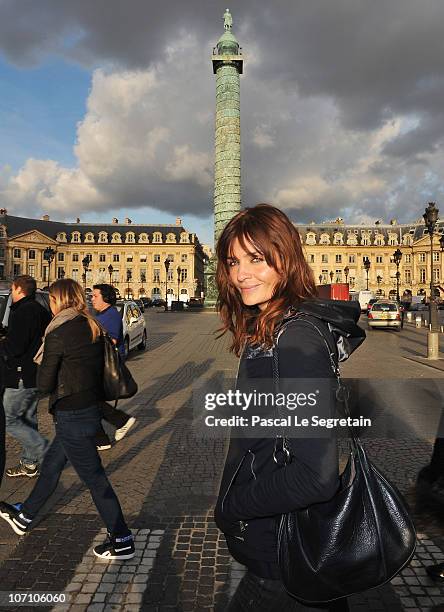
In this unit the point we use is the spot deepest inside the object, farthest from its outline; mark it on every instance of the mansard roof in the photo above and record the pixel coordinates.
(19, 225)
(417, 229)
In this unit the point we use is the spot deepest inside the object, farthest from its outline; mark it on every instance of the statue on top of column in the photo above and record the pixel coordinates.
(228, 20)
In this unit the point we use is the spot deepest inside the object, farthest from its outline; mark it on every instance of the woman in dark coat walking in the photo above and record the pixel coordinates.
(71, 372)
(263, 278)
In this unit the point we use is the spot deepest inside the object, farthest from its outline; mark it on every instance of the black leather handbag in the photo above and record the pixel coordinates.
(118, 382)
(358, 540)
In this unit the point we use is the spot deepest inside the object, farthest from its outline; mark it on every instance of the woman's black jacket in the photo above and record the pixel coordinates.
(262, 490)
(72, 365)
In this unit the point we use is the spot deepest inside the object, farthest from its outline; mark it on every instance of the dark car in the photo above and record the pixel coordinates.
(370, 303)
(140, 304)
(158, 302)
(146, 302)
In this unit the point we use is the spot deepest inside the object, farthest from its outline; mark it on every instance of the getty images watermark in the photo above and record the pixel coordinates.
(300, 408)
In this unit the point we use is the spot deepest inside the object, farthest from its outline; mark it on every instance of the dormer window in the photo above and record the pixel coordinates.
(75, 237)
(310, 238)
(130, 237)
(157, 237)
(103, 237)
(116, 237)
(407, 240)
(338, 238)
(171, 237)
(61, 237)
(324, 239)
(89, 237)
(393, 240)
(379, 240)
(184, 237)
(143, 237)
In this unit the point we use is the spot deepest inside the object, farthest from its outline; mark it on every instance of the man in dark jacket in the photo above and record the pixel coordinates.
(26, 327)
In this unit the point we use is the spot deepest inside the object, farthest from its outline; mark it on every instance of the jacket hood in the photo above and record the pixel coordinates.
(341, 317)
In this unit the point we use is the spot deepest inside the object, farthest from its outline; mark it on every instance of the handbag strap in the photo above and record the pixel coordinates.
(282, 445)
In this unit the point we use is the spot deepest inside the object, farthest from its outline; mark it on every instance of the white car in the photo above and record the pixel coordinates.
(134, 326)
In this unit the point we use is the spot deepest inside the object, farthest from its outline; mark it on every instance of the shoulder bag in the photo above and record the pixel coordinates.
(118, 382)
(358, 540)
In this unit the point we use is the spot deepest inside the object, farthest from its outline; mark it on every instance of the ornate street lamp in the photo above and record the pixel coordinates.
(178, 281)
(166, 263)
(331, 276)
(430, 217)
(110, 272)
(85, 264)
(441, 243)
(397, 256)
(129, 276)
(143, 280)
(346, 272)
(367, 266)
(320, 279)
(48, 255)
(379, 280)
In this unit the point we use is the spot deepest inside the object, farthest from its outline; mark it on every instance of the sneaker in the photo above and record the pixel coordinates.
(122, 431)
(23, 469)
(102, 447)
(16, 519)
(119, 547)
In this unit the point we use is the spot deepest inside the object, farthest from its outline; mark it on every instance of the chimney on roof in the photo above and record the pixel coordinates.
(115, 220)
(45, 218)
(128, 221)
(178, 221)
(3, 211)
(78, 220)
(392, 221)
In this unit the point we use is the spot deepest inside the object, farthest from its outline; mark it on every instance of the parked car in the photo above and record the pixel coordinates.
(196, 303)
(146, 302)
(418, 307)
(158, 302)
(140, 304)
(385, 314)
(134, 326)
(42, 298)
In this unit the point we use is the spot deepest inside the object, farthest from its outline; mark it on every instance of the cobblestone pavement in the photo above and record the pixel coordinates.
(167, 481)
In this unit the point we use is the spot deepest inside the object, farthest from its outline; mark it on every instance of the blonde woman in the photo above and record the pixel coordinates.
(71, 372)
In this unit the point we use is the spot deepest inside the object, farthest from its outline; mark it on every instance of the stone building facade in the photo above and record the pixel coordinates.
(332, 247)
(130, 256)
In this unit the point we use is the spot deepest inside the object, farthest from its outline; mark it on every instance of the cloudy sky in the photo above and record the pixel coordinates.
(107, 108)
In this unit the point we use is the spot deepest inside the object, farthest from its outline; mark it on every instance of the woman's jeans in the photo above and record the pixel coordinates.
(75, 442)
(256, 594)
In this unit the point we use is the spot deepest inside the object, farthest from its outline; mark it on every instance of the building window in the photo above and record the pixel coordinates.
(324, 276)
(143, 238)
(422, 275)
(130, 237)
(103, 237)
(310, 239)
(31, 254)
(143, 258)
(90, 257)
(435, 256)
(311, 258)
(436, 275)
(60, 256)
(157, 237)
(379, 259)
(338, 276)
(102, 257)
(115, 276)
(129, 258)
(45, 273)
(352, 281)
(31, 270)
(60, 272)
(75, 257)
(17, 253)
(408, 276)
(183, 274)
(352, 259)
(365, 241)
(75, 237)
(408, 258)
(170, 275)
(156, 275)
(184, 257)
(421, 257)
(324, 258)
(184, 237)
(116, 257)
(75, 274)
(156, 258)
(338, 258)
(116, 237)
(171, 238)
(325, 239)
(89, 237)
(2, 253)
(170, 256)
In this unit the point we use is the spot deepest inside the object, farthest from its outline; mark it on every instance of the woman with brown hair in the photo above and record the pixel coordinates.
(71, 372)
(264, 281)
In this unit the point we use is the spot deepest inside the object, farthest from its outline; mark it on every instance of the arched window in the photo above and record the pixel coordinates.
(184, 237)
(379, 240)
(75, 237)
(61, 237)
(143, 237)
(89, 237)
(352, 239)
(116, 237)
(338, 238)
(157, 237)
(324, 239)
(310, 238)
(103, 237)
(407, 240)
(171, 237)
(393, 239)
(130, 237)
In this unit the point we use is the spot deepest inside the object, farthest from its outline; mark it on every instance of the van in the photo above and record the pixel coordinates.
(363, 297)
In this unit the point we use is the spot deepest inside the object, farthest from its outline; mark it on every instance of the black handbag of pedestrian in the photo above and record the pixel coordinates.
(358, 540)
(118, 382)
